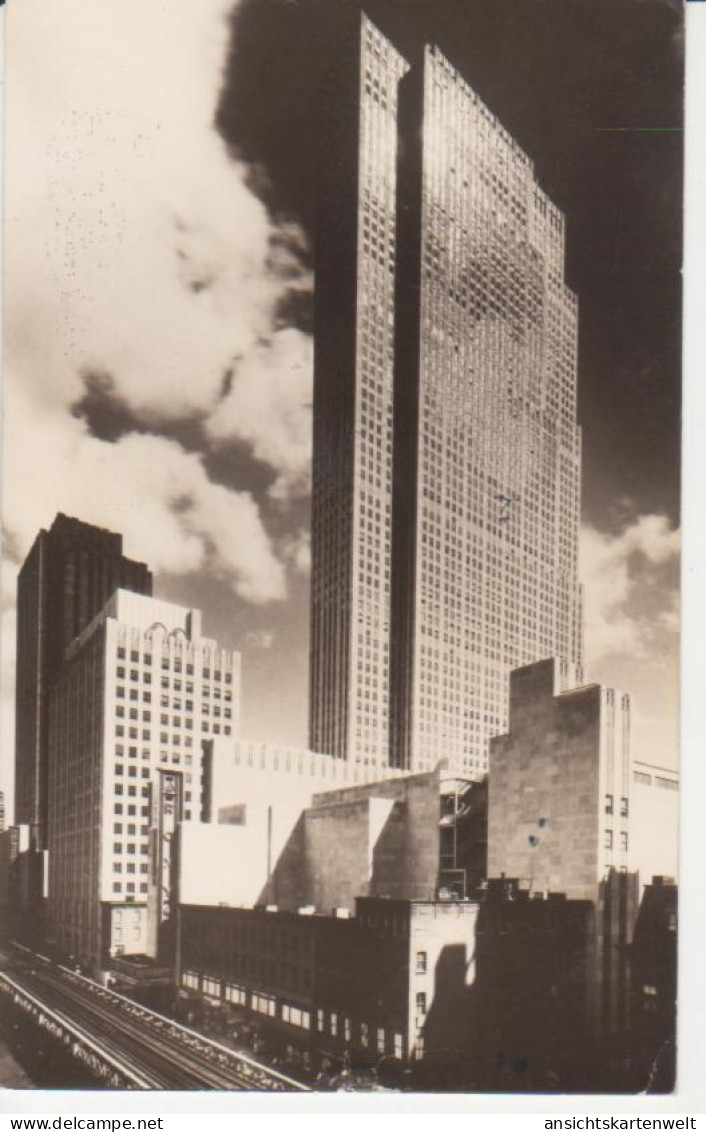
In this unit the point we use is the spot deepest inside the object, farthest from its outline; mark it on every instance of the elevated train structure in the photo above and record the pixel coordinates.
(124, 1044)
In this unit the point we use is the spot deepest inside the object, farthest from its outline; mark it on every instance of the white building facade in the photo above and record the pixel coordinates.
(140, 690)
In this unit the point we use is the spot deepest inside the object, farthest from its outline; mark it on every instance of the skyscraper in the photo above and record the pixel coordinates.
(486, 448)
(440, 260)
(139, 690)
(68, 575)
(352, 465)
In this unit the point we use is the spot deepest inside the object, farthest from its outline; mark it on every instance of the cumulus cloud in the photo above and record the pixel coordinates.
(134, 249)
(147, 487)
(133, 240)
(297, 550)
(630, 588)
(268, 405)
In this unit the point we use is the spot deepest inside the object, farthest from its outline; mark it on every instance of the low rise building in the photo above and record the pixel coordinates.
(277, 841)
(469, 989)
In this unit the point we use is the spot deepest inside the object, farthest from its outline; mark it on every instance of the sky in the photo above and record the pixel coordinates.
(159, 214)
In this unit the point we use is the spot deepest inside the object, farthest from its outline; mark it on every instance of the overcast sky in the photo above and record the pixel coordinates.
(159, 205)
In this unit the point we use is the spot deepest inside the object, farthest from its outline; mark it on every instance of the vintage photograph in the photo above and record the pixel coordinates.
(340, 576)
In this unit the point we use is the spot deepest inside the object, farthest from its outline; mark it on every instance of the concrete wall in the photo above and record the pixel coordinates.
(338, 843)
(127, 929)
(381, 839)
(559, 785)
(223, 864)
(246, 770)
(654, 823)
(544, 786)
(293, 848)
(560, 814)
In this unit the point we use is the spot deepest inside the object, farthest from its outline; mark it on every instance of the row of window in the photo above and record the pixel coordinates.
(362, 1033)
(608, 840)
(174, 663)
(609, 805)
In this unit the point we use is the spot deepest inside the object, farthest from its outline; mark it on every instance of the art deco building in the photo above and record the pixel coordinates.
(140, 690)
(486, 447)
(439, 259)
(567, 812)
(68, 575)
(352, 465)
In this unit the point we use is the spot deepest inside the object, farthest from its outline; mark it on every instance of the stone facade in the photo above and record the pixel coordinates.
(559, 785)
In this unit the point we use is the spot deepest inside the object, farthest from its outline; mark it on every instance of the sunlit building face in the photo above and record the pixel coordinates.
(486, 526)
(445, 346)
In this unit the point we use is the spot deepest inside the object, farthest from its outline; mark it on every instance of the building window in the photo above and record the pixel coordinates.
(235, 994)
(398, 1045)
(264, 1004)
(609, 803)
(421, 962)
(364, 1034)
(623, 807)
(333, 1025)
(419, 1048)
(295, 1016)
(320, 1020)
(347, 1028)
(381, 1039)
(421, 1003)
(666, 783)
(608, 839)
(624, 841)
(211, 988)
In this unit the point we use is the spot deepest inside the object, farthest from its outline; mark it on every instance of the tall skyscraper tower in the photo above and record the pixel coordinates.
(440, 260)
(352, 466)
(67, 577)
(486, 448)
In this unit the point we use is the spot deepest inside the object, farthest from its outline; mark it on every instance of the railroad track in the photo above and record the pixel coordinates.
(162, 1053)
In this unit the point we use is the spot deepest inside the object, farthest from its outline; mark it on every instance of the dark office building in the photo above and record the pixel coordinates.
(352, 456)
(66, 579)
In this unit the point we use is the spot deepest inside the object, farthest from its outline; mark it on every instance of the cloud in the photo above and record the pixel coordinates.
(268, 405)
(147, 487)
(136, 250)
(133, 239)
(297, 550)
(263, 638)
(630, 588)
